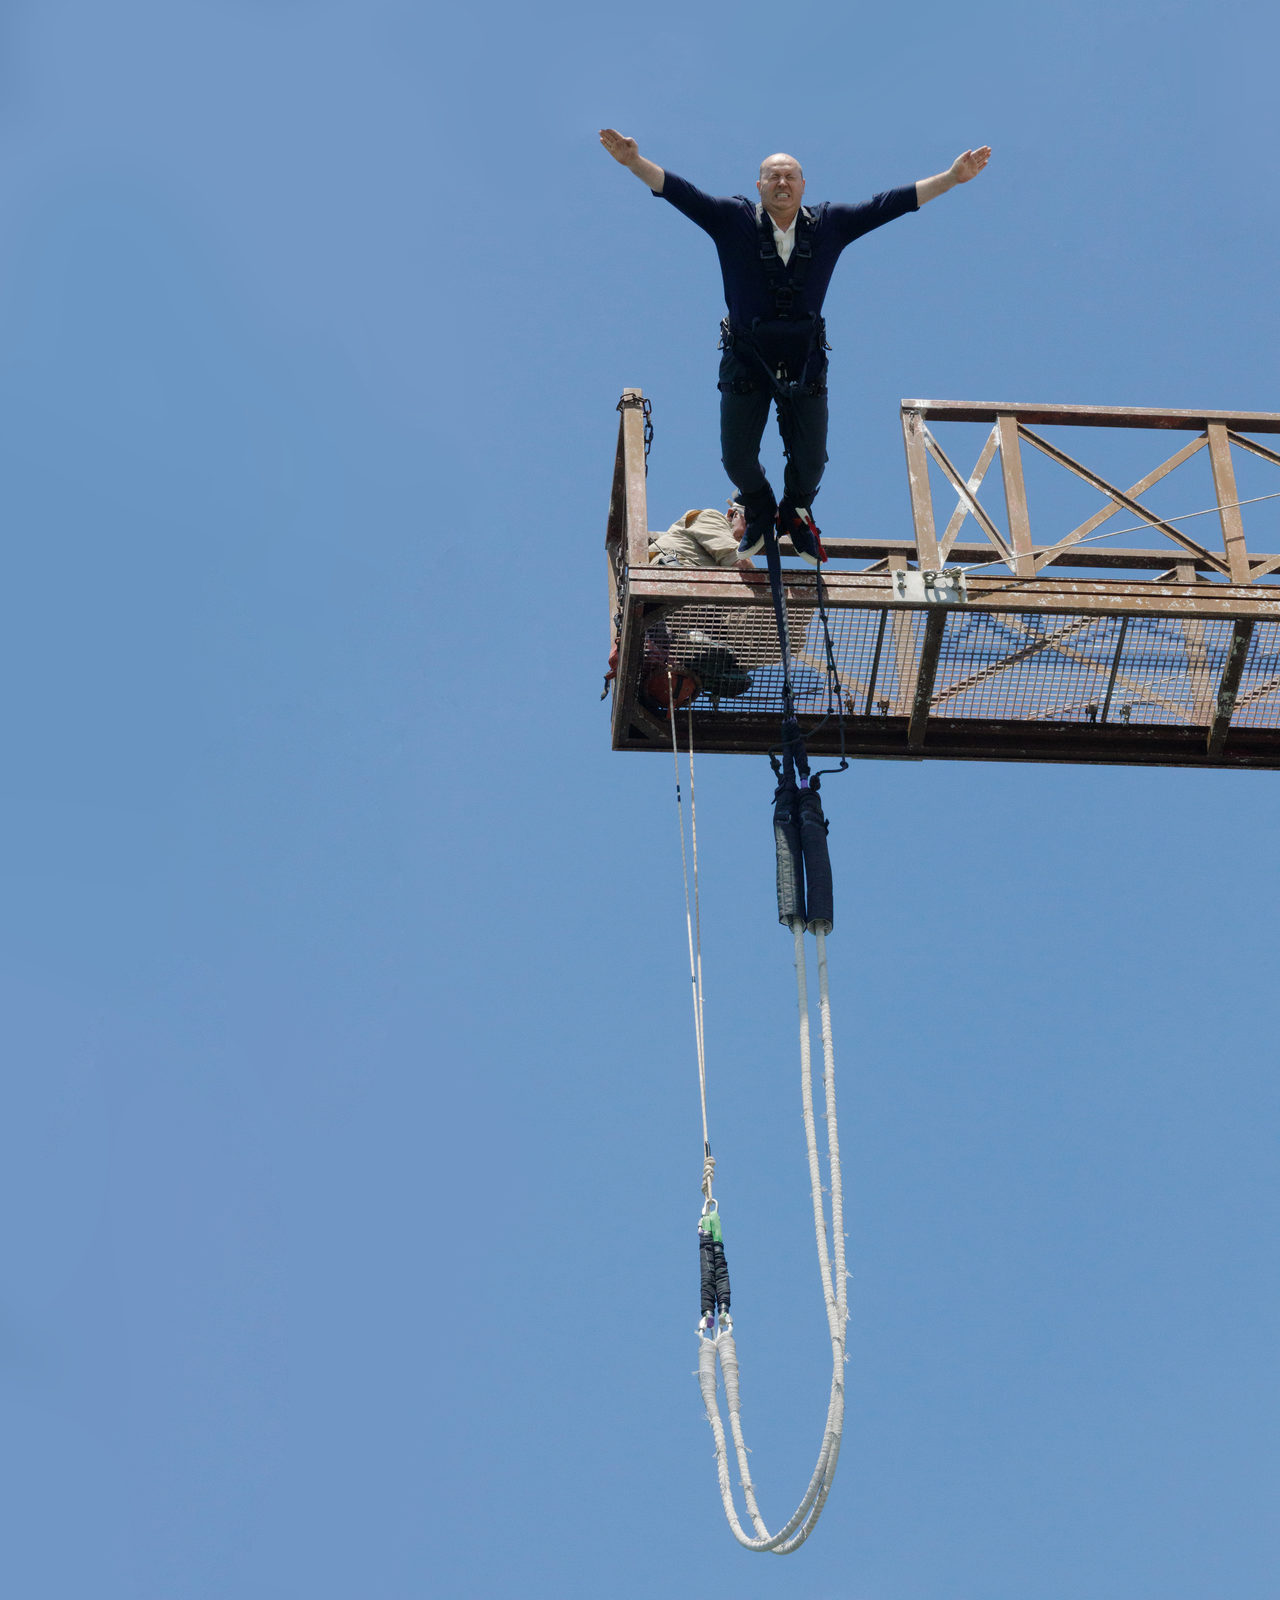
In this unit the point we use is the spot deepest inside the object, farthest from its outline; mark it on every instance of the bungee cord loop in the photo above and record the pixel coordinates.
(804, 903)
(717, 1345)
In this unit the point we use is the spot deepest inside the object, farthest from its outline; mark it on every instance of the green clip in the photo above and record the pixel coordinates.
(710, 1223)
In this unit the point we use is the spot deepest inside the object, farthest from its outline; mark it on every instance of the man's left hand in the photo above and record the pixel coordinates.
(970, 164)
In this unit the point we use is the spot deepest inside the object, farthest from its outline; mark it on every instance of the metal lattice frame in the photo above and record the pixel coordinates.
(1174, 658)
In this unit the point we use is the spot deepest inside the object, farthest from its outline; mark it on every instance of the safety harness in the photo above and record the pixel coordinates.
(783, 345)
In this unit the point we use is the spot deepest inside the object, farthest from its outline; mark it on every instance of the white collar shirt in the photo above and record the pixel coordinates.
(785, 243)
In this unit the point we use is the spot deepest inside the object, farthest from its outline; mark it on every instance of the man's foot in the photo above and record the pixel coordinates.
(760, 508)
(752, 541)
(797, 524)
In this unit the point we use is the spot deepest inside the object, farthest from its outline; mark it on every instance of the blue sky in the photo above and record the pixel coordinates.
(349, 1146)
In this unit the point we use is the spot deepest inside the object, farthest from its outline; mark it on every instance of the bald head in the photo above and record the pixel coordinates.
(781, 188)
(780, 159)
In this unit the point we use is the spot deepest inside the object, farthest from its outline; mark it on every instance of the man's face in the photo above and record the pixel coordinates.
(781, 183)
(737, 518)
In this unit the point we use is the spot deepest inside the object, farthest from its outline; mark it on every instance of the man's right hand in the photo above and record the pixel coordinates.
(626, 152)
(622, 149)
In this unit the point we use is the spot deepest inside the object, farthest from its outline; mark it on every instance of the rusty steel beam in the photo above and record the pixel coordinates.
(905, 657)
(964, 554)
(1085, 596)
(973, 485)
(630, 654)
(1224, 486)
(1131, 505)
(1231, 673)
(925, 674)
(616, 525)
(913, 437)
(974, 739)
(632, 407)
(1015, 496)
(1092, 416)
(976, 509)
(1197, 653)
(1143, 484)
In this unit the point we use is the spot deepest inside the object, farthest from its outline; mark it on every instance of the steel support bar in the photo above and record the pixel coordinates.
(1227, 688)
(976, 509)
(1093, 416)
(974, 739)
(1088, 555)
(633, 456)
(1153, 477)
(974, 484)
(927, 672)
(875, 663)
(1085, 596)
(1224, 486)
(1115, 667)
(1131, 505)
(1015, 497)
(921, 497)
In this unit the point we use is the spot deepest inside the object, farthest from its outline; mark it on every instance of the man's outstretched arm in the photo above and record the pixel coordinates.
(626, 153)
(964, 167)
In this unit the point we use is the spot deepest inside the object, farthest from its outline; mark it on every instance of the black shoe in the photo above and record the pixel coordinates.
(797, 524)
(760, 508)
(752, 541)
(716, 667)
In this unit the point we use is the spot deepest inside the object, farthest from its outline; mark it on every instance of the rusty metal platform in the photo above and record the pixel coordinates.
(1172, 658)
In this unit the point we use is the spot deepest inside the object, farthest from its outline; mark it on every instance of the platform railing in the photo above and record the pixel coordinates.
(1013, 427)
(626, 539)
(1170, 643)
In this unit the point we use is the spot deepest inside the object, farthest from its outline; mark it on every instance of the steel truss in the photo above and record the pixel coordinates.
(1172, 659)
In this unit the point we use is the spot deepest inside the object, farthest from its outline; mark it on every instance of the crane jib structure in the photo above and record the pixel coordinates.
(931, 647)
(992, 625)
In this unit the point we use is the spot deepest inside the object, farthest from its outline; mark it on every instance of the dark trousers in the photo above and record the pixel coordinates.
(745, 398)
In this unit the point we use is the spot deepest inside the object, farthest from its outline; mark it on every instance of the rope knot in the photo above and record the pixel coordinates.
(708, 1174)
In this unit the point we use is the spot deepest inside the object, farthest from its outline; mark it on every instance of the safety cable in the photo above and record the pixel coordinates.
(691, 918)
(1141, 527)
(835, 688)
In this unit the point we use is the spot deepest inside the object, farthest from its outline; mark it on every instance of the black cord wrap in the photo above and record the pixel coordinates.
(799, 826)
(713, 1267)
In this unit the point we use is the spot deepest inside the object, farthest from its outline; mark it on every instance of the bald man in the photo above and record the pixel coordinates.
(776, 257)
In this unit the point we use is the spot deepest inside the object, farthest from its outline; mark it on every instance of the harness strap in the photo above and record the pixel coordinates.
(794, 756)
(783, 286)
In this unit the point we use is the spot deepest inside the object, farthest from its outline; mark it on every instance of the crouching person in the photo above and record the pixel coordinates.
(703, 538)
(704, 657)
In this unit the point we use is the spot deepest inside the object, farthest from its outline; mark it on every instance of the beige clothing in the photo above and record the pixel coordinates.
(686, 635)
(699, 539)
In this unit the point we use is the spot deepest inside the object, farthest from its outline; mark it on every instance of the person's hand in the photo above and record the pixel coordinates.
(970, 164)
(623, 150)
(745, 564)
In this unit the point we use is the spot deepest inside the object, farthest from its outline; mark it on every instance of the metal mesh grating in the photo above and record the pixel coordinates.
(1039, 667)
(997, 666)
(1170, 670)
(1258, 701)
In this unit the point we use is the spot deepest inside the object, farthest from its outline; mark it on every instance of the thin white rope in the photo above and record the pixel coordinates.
(721, 1347)
(695, 960)
(709, 1160)
(1142, 527)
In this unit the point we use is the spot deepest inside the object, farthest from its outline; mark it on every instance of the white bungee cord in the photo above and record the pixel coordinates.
(716, 1344)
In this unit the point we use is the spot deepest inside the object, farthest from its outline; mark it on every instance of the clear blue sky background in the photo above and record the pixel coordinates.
(349, 1152)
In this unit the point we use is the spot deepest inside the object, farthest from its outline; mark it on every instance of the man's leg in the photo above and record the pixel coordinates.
(802, 422)
(744, 410)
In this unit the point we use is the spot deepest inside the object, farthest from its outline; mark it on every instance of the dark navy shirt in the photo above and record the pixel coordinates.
(731, 222)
